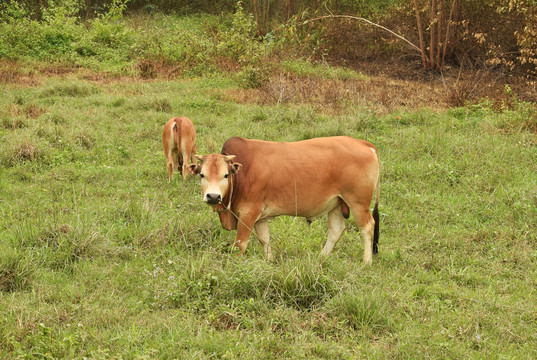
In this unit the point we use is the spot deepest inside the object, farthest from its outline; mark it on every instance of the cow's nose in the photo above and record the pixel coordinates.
(213, 199)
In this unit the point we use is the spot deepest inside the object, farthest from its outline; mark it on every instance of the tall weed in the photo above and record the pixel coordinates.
(361, 311)
(16, 269)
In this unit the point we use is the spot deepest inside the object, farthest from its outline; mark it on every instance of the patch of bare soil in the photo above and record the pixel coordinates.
(387, 87)
(57, 69)
(30, 75)
(11, 72)
(380, 93)
(461, 85)
(103, 78)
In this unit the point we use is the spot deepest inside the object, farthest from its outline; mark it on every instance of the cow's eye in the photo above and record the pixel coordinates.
(202, 176)
(225, 176)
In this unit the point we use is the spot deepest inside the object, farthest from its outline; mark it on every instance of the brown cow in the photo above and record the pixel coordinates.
(179, 142)
(252, 181)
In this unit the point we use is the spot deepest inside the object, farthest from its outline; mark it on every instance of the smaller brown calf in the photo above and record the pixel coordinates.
(179, 142)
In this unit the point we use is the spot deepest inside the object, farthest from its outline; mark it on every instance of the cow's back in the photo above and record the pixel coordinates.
(301, 177)
(310, 156)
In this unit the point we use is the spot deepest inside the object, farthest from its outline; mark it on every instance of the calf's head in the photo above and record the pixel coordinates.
(215, 171)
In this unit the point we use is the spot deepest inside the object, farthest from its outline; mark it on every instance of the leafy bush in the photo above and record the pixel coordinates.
(48, 39)
(109, 42)
(252, 77)
(236, 42)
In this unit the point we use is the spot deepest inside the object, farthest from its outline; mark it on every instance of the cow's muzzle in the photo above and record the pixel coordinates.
(213, 199)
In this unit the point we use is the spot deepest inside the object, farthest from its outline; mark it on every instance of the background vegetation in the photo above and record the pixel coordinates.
(101, 257)
(498, 34)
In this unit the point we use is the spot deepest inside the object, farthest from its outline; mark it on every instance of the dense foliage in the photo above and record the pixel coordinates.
(487, 33)
(133, 45)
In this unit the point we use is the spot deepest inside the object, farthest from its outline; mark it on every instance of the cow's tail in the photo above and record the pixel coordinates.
(177, 135)
(376, 212)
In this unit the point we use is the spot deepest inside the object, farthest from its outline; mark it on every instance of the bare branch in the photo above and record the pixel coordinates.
(450, 20)
(364, 20)
(432, 25)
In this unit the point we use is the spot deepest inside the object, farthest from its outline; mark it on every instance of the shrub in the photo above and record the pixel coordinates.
(237, 42)
(252, 77)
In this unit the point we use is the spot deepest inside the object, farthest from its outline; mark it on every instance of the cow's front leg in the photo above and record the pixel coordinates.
(244, 229)
(263, 233)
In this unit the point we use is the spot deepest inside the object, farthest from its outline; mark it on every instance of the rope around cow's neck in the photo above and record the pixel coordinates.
(228, 209)
(223, 208)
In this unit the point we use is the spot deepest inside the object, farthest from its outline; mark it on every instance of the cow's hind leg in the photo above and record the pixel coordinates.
(336, 225)
(366, 223)
(263, 233)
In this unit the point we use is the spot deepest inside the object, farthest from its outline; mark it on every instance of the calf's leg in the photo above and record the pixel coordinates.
(172, 162)
(185, 155)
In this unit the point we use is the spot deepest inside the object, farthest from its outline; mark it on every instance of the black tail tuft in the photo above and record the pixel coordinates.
(377, 229)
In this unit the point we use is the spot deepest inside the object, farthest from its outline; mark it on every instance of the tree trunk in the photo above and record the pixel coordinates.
(256, 16)
(432, 33)
(266, 9)
(288, 9)
(89, 10)
(261, 15)
(420, 35)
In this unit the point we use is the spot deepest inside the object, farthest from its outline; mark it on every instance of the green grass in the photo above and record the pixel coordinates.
(102, 258)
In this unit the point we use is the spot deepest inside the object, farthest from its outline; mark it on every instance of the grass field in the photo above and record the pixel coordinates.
(102, 258)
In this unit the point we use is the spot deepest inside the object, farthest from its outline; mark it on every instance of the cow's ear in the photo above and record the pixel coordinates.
(235, 167)
(194, 169)
(200, 157)
(229, 158)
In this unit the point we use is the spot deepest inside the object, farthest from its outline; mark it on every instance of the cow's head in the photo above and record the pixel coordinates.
(215, 171)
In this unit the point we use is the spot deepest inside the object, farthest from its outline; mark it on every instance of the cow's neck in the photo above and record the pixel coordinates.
(225, 212)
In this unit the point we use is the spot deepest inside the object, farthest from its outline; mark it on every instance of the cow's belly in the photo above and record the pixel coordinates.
(309, 210)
